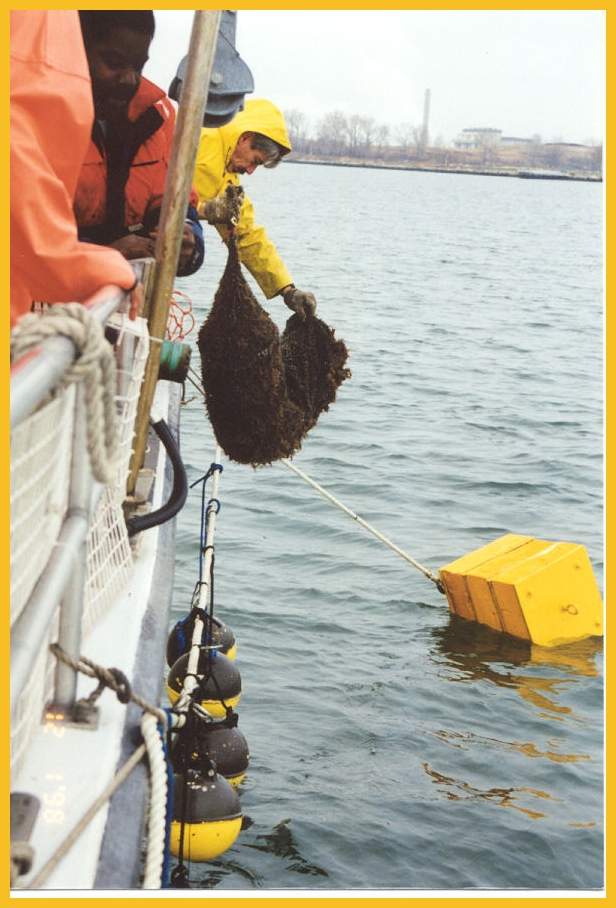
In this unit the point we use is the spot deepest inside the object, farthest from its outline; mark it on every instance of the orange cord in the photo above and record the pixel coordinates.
(181, 320)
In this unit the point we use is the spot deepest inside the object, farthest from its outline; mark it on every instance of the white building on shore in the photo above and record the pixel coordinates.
(478, 137)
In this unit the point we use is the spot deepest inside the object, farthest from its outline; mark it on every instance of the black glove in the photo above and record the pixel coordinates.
(300, 301)
(225, 208)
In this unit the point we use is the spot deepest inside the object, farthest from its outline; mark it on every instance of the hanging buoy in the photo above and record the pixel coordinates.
(180, 638)
(202, 742)
(540, 591)
(228, 748)
(207, 816)
(220, 684)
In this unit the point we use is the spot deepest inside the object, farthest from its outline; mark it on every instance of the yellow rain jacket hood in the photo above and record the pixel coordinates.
(256, 250)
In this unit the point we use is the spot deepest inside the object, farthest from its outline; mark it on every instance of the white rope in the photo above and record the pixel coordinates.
(79, 827)
(429, 574)
(190, 681)
(158, 808)
(363, 523)
(153, 747)
(94, 367)
(157, 820)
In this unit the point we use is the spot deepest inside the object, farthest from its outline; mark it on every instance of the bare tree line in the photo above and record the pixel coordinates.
(357, 137)
(354, 136)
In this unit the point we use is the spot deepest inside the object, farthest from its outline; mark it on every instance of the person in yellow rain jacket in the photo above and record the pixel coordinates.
(256, 136)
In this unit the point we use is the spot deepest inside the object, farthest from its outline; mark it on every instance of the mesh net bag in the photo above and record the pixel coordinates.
(263, 393)
(314, 362)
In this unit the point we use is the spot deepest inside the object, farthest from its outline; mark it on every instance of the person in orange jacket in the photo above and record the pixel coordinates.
(51, 120)
(122, 180)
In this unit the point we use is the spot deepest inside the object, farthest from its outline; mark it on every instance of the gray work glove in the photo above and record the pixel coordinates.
(225, 208)
(300, 301)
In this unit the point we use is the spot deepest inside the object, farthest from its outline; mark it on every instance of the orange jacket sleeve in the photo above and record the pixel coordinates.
(51, 121)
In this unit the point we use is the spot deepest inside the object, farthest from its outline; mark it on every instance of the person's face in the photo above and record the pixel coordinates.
(245, 159)
(115, 66)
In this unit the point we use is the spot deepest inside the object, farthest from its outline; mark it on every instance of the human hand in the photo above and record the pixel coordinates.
(135, 247)
(187, 247)
(225, 208)
(300, 301)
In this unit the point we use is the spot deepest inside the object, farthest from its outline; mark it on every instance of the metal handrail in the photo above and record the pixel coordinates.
(37, 373)
(62, 581)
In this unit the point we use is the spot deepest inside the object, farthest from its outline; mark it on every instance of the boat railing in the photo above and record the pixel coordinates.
(70, 551)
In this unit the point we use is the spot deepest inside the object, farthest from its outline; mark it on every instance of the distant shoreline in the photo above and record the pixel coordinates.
(519, 173)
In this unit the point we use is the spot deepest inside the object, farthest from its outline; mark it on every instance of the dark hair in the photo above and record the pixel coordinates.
(97, 23)
(274, 150)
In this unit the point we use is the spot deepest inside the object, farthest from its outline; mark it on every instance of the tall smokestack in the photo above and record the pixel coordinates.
(426, 117)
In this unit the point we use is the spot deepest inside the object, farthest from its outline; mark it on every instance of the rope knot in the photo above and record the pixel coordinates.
(120, 685)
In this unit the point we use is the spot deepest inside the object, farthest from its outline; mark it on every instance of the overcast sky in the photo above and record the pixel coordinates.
(525, 72)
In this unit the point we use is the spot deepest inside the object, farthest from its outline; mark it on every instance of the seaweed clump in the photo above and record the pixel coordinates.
(263, 393)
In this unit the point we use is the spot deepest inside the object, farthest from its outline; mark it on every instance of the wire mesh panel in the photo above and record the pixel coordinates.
(41, 453)
(40, 472)
(132, 347)
(109, 553)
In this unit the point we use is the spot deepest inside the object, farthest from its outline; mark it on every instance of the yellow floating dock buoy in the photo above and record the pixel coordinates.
(544, 592)
(220, 683)
(540, 591)
(207, 817)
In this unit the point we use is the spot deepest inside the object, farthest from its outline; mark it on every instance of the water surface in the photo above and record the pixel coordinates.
(393, 748)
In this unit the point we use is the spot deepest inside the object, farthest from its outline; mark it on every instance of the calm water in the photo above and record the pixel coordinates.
(391, 747)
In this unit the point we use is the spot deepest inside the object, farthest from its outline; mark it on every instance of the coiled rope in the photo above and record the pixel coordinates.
(157, 822)
(154, 724)
(94, 368)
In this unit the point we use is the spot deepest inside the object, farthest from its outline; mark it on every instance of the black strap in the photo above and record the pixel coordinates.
(120, 143)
